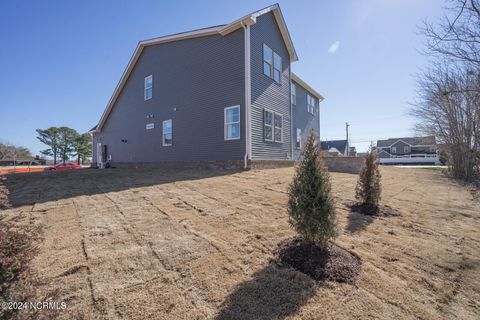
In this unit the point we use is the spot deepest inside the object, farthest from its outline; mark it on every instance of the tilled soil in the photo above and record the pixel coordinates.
(160, 244)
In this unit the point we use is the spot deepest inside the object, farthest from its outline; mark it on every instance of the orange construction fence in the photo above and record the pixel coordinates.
(17, 170)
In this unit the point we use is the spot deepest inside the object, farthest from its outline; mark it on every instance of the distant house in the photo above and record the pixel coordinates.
(224, 93)
(411, 150)
(335, 147)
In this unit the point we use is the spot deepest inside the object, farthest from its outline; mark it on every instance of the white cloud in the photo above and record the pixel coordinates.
(334, 47)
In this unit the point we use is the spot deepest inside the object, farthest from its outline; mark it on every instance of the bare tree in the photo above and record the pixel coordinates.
(457, 35)
(448, 104)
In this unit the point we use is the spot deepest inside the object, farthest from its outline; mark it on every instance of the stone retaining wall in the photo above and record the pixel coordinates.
(343, 164)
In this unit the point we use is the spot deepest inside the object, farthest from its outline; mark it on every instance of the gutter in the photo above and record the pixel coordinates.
(248, 99)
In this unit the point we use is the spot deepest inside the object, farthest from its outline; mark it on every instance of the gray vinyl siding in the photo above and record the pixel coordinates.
(303, 120)
(197, 77)
(265, 92)
(400, 148)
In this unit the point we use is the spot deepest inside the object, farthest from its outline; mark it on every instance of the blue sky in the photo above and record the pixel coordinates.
(61, 60)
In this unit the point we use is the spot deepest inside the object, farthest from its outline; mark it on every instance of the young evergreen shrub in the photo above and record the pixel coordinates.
(310, 202)
(368, 189)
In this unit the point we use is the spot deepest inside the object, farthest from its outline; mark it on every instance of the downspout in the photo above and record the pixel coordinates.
(248, 144)
(292, 137)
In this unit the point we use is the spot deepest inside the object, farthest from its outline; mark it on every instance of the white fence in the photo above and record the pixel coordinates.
(414, 158)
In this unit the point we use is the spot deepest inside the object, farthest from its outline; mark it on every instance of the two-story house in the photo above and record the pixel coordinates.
(224, 93)
(410, 150)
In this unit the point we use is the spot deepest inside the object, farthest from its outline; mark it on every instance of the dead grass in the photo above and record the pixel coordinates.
(155, 244)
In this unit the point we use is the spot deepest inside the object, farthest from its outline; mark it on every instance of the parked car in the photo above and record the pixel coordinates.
(64, 166)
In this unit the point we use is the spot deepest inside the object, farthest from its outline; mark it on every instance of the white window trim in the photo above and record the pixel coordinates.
(150, 126)
(163, 133)
(226, 124)
(310, 106)
(145, 88)
(406, 149)
(267, 125)
(275, 127)
(298, 138)
(272, 126)
(272, 65)
(279, 70)
(394, 150)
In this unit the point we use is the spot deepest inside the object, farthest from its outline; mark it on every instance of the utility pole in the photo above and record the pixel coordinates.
(348, 145)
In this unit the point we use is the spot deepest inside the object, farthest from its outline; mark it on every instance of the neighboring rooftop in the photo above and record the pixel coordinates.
(413, 141)
(340, 145)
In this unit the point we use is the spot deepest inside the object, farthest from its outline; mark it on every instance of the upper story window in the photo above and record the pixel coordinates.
(310, 104)
(298, 141)
(232, 123)
(272, 126)
(148, 88)
(394, 149)
(294, 94)
(167, 136)
(406, 149)
(272, 63)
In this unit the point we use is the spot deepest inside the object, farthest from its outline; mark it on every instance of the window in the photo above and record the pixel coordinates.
(272, 64)
(268, 125)
(405, 149)
(278, 128)
(277, 67)
(167, 133)
(394, 149)
(232, 123)
(267, 61)
(294, 94)
(273, 126)
(310, 104)
(298, 142)
(148, 91)
(150, 126)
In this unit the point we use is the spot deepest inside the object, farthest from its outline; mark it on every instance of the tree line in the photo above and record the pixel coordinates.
(65, 143)
(9, 151)
(448, 103)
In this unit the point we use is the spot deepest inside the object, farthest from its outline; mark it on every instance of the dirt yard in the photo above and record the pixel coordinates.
(153, 244)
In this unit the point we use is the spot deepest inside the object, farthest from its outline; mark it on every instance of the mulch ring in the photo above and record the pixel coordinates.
(334, 264)
(381, 211)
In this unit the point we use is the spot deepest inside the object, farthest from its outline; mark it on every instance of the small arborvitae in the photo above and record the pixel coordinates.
(369, 188)
(310, 203)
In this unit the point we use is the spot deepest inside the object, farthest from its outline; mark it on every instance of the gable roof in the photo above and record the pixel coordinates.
(307, 87)
(413, 141)
(340, 145)
(223, 30)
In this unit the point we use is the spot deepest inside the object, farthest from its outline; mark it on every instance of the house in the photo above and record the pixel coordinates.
(335, 147)
(412, 150)
(224, 93)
